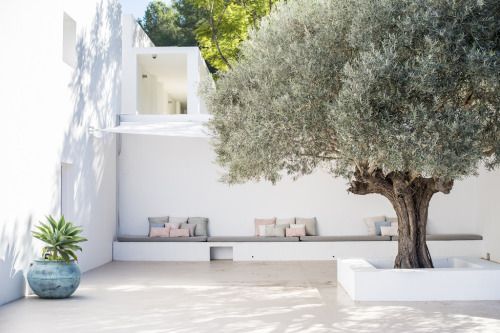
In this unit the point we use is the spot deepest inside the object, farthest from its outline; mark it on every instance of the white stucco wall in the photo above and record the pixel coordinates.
(47, 110)
(489, 212)
(177, 176)
(132, 37)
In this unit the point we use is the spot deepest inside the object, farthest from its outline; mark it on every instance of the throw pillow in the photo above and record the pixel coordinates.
(179, 233)
(286, 221)
(201, 225)
(392, 219)
(258, 222)
(370, 223)
(310, 224)
(172, 225)
(381, 224)
(179, 220)
(389, 231)
(282, 227)
(157, 222)
(273, 231)
(295, 232)
(160, 232)
(190, 227)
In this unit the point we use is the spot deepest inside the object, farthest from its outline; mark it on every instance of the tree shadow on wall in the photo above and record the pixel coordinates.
(16, 252)
(96, 90)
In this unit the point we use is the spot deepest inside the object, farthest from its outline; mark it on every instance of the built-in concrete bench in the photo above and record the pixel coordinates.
(449, 237)
(344, 238)
(251, 239)
(362, 238)
(248, 248)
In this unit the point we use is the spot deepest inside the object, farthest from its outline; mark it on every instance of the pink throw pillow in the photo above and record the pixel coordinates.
(259, 222)
(295, 232)
(179, 233)
(160, 232)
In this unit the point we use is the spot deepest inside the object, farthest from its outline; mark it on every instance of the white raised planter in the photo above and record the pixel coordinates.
(455, 278)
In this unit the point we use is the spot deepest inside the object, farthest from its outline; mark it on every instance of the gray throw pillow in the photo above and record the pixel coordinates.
(310, 224)
(272, 230)
(175, 219)
(157, 222)
(379, 224)
(190, 227)
(201, 225)
(286, 221)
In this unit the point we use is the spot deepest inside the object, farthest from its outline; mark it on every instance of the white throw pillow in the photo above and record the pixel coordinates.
(271, 230)
(389, 231)
(370, 223)
(275, 231)
(261, 230)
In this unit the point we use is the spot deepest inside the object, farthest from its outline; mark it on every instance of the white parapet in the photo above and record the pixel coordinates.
(454, 278)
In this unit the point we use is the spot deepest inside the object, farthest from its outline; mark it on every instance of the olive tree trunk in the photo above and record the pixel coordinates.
(410, 196)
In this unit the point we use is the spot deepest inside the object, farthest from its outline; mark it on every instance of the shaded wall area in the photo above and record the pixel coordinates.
(50, 109)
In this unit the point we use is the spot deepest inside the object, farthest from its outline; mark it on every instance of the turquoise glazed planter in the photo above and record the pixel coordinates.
(53, 279)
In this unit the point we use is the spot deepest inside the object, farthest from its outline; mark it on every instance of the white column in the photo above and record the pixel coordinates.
(130, 73)
(193, 79)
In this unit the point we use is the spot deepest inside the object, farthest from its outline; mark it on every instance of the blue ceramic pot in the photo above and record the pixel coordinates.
(53, 279)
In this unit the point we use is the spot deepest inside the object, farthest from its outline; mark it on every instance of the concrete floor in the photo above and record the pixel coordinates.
(224, 296)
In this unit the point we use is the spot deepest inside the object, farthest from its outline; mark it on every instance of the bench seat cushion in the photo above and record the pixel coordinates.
(449, 237)
(126, 238)
(251, 239)
(344, 238)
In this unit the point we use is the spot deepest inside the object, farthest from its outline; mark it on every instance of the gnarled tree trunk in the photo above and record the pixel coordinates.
(410, 196)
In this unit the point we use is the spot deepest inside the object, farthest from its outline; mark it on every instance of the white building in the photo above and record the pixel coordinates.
(107, 129)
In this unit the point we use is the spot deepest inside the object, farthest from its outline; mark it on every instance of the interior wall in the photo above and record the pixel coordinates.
(178, 177)
(153, 97)
(48, 122)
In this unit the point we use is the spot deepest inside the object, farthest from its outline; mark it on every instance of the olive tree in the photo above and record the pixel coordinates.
(400, 97)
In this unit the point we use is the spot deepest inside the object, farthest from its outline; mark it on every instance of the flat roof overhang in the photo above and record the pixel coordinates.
(191, 126)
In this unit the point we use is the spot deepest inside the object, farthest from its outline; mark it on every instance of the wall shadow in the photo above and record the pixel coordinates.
(93, 93)
(16, 251)
(96, 90)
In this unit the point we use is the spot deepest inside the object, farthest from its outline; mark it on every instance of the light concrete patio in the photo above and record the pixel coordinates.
(225, 296)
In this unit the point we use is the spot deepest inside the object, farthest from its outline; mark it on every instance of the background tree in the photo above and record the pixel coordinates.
(217, 26)
(173, 25)
(224, 25)
(400, 97)
(160, 23)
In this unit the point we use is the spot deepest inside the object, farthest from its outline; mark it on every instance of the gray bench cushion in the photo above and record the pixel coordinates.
(161, 239)
(251, 239)
(449, 237)
(344, 238)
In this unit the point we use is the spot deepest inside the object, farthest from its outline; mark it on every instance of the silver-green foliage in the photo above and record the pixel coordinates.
(61, 239)
(399, 85)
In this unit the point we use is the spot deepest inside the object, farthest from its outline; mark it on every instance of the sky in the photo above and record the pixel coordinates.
(136, 7)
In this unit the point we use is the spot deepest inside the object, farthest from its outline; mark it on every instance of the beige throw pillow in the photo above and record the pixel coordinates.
(310, 224)
(389, 231)
(285, 221)
(370, 223)
(263, 221)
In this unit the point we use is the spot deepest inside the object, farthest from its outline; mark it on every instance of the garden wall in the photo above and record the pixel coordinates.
(178, 176)
(49, 107)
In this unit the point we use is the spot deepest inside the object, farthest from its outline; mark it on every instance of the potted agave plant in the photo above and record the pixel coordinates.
(56, 274)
